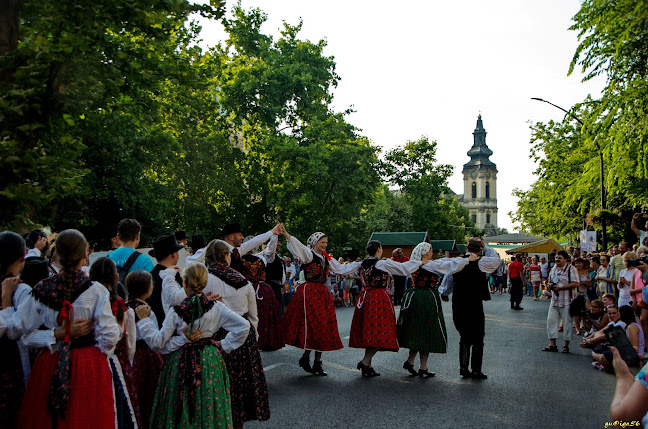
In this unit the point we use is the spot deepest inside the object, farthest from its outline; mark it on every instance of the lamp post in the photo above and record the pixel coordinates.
(598, 148)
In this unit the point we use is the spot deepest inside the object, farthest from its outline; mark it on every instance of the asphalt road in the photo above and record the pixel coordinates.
(526, 388)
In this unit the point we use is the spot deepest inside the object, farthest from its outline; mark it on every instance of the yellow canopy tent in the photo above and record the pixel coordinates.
(542, 246)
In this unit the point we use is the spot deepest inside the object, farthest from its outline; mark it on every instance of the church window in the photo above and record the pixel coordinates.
(474, 190)
(487, 214)
(487, 189)
(474, 218)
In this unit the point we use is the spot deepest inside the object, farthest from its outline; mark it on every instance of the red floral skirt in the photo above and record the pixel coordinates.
(310, 321)
(90, 404)
(374, 321)
(269, 318)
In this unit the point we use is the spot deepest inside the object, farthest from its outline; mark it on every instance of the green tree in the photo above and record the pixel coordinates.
(71, 64)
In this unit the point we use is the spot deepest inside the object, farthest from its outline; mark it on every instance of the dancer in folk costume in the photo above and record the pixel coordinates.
(269, 311)
(248, 388)
(249, 391)
(374, 321)
(469, 287)
(147, 363)
(421, 326)
(104, 271)
(71, 383)
(310, 322)
(193, 391)
(232, 234)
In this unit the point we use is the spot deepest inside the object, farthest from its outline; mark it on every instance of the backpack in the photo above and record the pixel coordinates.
(123, 272)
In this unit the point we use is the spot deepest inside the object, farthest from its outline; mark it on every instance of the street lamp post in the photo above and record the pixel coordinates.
(603, 204)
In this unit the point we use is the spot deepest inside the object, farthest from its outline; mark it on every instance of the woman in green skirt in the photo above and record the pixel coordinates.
(421, 327)
(193, 390)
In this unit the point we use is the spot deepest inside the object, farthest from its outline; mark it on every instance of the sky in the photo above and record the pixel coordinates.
(415, 68)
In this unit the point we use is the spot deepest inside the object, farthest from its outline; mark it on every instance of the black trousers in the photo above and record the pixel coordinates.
(399, 288)
(517, 291)
(468, 318)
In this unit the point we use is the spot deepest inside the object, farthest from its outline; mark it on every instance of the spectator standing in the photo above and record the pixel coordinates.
(126, 258)
(563, 279)
(617, 264)
(536, 276)
(604, 276)
(625, 279)
(517, 282)
(399, 281)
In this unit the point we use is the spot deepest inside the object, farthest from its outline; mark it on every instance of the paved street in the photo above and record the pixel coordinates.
(526, 388)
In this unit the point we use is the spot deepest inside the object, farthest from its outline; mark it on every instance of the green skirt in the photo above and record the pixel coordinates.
(212, 406)
(421, 326)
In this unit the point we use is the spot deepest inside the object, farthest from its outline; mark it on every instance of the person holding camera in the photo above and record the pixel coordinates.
(563, 279)
(639, 225)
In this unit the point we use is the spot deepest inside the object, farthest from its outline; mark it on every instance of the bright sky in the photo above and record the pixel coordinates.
(414, 68)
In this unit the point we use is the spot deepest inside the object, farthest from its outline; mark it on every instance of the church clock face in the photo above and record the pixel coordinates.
(488, 174)
(473, 174)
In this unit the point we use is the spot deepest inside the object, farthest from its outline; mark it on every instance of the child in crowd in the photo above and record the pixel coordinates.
(104, 271)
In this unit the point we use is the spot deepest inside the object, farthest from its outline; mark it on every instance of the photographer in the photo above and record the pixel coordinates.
(595, 319)
(624, 318)
(563, 279)
(638, 225)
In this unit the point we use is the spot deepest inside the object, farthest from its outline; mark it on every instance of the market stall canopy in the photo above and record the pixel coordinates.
(542, 246)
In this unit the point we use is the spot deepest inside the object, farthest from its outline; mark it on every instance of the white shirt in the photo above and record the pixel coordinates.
(241, 301)
(251, 244)
(197, 256)
(487, 264)
(218, 317)
(624, 292)
(305, 254)
(92, 304)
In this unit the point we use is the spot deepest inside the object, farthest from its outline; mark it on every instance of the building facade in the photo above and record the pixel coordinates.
(480, 183)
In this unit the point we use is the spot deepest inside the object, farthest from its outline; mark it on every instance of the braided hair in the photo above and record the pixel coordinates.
(71, 247)
(104, 271)
(195, 276)
(216, 251)
(12, 248)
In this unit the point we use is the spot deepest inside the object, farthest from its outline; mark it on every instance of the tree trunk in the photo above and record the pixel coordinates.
(9, 23)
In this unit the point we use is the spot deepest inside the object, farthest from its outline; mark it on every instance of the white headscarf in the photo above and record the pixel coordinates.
(420, 250)
(314, 238)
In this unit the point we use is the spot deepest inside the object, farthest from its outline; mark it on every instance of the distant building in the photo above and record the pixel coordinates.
(480, 183)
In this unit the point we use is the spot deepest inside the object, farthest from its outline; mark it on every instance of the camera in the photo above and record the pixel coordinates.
(636, 262)
(640, 223)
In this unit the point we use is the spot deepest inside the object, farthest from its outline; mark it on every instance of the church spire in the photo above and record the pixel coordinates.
(479, 153)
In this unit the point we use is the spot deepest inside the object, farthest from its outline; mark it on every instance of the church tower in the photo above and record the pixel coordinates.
(480, 183)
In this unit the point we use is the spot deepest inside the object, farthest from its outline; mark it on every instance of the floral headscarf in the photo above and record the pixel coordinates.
(314, 238)
(420, 250)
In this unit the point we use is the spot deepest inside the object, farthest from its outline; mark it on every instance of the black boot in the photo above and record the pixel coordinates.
(476, 363)
(304, 362)
(317, 368)
(464, 359)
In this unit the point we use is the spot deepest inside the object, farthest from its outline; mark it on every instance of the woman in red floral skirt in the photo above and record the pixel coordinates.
(309, 321)
(374, 322)
(70, 384)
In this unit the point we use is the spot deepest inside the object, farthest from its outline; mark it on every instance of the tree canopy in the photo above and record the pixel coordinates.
(112, 110)
(613, 42)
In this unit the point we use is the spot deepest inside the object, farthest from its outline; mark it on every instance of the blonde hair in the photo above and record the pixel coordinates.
(195, 276)
(629, 255)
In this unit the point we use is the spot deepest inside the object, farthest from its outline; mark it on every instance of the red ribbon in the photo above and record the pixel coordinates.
(119, 303)
(64, 316)
(327, 256)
